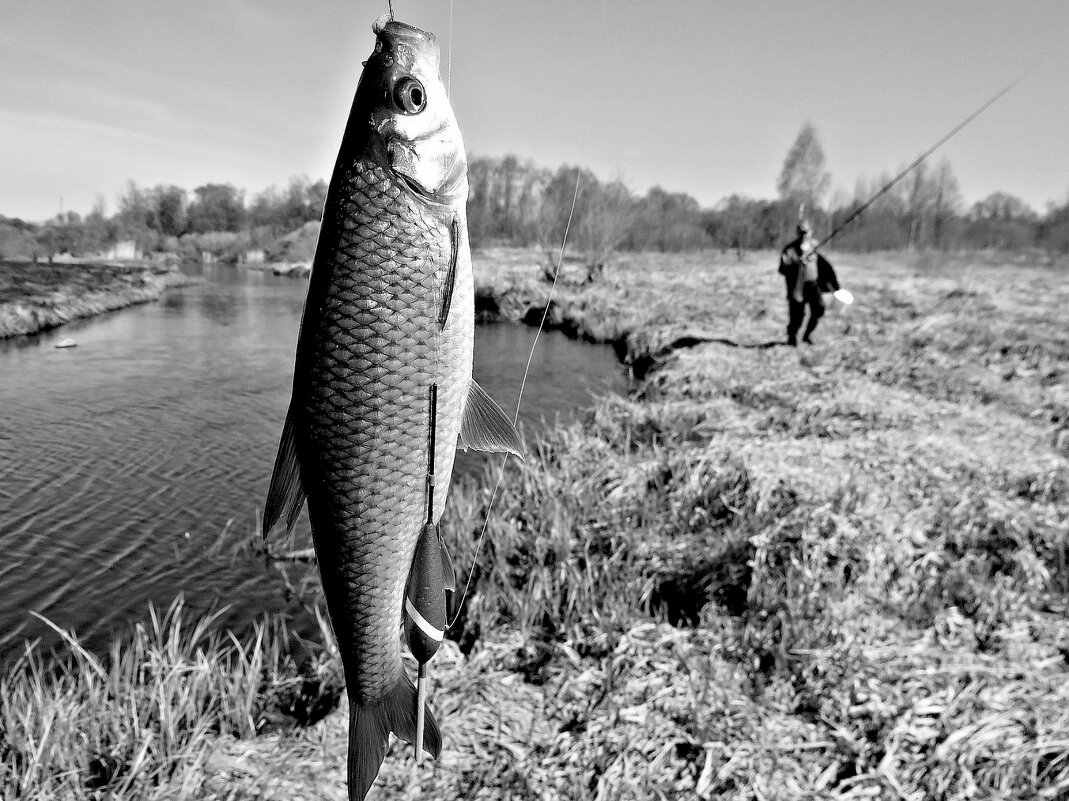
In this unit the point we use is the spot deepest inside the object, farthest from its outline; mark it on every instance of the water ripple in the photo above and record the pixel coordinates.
(125, 459)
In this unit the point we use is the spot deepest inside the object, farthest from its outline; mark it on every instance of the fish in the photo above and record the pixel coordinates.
(383, 393)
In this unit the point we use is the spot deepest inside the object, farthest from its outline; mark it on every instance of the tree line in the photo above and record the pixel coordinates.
(215, 218)
(517, 203)
(514, 202)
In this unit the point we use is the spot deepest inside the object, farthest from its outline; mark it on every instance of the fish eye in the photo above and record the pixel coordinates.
(409, 96)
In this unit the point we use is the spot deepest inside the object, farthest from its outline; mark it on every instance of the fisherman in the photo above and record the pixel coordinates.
(808, 275)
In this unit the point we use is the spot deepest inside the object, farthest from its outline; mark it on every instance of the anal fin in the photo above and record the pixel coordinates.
(484, 427)
(449, 584)
(449, 575)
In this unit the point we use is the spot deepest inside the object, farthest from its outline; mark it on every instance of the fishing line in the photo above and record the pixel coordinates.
(449, 61)
(530, 357)
(523, 384)
(552, 289)
(560, 257)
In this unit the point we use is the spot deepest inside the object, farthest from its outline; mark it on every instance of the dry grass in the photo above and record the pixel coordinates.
(868, 537)
(835, 572)
(141, 721)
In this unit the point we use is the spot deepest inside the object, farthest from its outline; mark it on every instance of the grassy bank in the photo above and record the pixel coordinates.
(143, 720)
(861, 545)
(38, 297)
(832, 572)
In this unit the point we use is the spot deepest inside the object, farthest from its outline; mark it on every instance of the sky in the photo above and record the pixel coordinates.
(694, 96)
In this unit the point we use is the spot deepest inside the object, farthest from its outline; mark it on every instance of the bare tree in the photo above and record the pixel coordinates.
(604, 219)
(916, 201)
(946, 201)
(803, 178)
(1003, 221)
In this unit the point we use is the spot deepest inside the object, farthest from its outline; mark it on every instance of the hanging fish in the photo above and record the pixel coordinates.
(382, 387)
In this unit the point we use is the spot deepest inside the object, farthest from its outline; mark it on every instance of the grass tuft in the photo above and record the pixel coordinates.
(141, 722)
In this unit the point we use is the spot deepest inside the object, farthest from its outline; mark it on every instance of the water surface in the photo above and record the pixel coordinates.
(124, 459)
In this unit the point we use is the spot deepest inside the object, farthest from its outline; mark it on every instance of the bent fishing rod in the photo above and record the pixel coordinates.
(918, 161)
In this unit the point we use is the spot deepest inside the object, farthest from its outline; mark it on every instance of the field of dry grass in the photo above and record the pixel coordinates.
(831, 572)
(879, 525)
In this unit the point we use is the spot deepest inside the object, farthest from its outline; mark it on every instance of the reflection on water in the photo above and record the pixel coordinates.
(123, 459)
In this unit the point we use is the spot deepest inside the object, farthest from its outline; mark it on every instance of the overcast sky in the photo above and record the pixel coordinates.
(696, 96)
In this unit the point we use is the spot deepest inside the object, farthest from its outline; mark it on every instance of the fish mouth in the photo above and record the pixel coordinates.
(386, 25)
(400, 38)
(404, 58)
(413, 131)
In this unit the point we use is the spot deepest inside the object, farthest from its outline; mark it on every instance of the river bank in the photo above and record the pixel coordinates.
(836, 571)
(39, 297)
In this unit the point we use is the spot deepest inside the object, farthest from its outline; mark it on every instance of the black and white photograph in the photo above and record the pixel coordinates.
(486, 400)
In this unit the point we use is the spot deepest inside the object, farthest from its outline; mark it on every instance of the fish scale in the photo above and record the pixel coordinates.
(367, 438)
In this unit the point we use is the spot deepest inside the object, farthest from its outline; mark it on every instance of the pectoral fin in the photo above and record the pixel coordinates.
(451, 276)
(285, 496)
(484, 427)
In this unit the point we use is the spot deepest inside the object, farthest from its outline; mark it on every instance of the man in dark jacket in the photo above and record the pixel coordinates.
(808, 274)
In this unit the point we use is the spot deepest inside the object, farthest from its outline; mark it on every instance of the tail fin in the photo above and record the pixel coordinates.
(369, 734)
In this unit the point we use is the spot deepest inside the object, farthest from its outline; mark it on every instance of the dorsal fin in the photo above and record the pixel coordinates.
(484, 427)
(285, 496)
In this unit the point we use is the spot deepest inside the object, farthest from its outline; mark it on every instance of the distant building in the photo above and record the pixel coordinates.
(126, 249)
(253, 256)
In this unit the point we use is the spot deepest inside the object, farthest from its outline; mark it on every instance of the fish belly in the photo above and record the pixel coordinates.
(370, 348)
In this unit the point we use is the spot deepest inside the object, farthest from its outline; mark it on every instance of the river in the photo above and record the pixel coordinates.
(124, 460)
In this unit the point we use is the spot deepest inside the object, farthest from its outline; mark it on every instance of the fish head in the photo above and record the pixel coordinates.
(413, 129)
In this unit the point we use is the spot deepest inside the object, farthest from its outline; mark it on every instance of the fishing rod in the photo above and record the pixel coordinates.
(917, 162)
